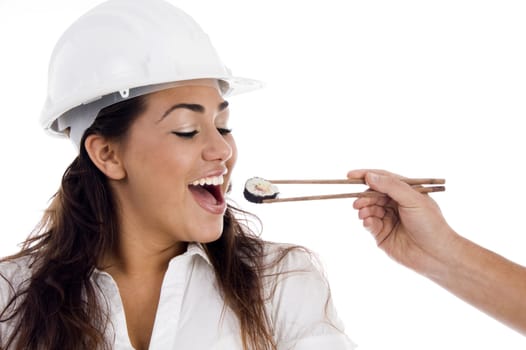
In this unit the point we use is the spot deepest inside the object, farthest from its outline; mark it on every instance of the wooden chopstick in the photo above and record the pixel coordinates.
(351, 195)
(356, 181)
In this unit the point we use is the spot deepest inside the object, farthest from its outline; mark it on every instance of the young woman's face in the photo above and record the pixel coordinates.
(178, 157)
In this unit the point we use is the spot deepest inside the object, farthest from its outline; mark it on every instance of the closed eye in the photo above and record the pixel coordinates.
(187, 135)
(224, 131)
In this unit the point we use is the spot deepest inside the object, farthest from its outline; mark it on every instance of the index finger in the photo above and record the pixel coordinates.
(361, 173)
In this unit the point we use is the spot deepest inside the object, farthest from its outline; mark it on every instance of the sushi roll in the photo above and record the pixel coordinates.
(258, 189)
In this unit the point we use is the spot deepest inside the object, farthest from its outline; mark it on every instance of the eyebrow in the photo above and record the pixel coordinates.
(195, 107)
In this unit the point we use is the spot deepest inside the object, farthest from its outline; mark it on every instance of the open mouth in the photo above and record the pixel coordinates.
(211, 194)
(208, 193)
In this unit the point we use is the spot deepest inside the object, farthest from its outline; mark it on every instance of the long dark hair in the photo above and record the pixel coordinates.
(59, 307)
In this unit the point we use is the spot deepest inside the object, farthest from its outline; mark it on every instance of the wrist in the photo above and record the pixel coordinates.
(446, 257)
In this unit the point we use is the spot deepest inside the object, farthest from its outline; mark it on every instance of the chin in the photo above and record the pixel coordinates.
(209, 235)
(209, 239)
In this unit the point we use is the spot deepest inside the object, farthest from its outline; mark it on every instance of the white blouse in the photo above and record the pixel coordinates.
(191, 313)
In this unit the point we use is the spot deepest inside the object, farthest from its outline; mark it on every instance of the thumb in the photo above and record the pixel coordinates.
(398, 190)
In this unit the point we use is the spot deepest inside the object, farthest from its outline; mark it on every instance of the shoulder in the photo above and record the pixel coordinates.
(289, 258)
(290, 270)
(299, 300)
(13, 274)
(16, 268)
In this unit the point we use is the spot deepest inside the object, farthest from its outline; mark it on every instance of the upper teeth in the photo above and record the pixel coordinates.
(213, 180)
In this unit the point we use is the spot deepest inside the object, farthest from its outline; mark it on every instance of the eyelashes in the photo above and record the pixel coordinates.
(224, 131)
(191, 134)
(186, 135)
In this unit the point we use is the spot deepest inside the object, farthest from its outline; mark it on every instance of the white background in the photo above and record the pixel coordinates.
(422, 88)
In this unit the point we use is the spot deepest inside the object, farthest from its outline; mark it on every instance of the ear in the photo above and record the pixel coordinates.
(104, 154)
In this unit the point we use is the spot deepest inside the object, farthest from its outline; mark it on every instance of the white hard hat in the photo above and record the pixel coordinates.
(122, 49)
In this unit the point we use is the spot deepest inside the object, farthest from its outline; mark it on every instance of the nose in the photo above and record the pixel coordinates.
(217, 147)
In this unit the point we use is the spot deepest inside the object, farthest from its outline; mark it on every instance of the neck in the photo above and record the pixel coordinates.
(136, 256)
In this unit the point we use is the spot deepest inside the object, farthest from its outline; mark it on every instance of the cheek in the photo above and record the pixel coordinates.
(158, 164)
(172, 167)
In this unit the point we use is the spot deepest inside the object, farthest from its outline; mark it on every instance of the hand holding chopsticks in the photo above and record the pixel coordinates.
(259, 190)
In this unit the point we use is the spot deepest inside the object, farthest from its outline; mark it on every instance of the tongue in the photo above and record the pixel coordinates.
(202, 195)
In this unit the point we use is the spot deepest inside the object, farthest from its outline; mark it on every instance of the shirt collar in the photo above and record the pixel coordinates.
(197, 249)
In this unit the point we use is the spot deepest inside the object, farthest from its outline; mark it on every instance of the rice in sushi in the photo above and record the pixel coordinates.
(258, 189)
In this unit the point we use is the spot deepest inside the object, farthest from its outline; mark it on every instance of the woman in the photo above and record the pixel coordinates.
(139, 248)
